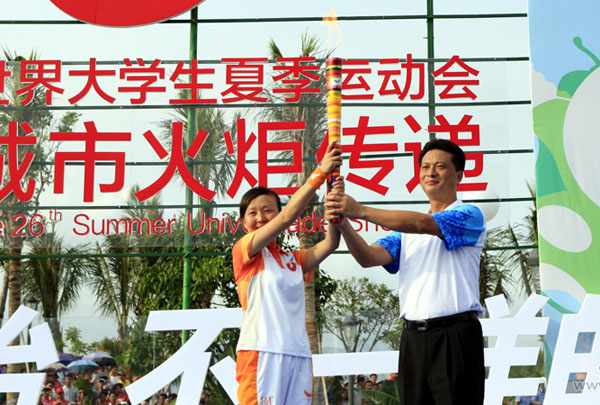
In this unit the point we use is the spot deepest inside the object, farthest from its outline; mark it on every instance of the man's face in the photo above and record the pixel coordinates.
(67, 380)
(438, 177)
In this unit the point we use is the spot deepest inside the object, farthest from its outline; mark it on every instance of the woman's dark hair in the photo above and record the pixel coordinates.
(458, 156)
(252, 194)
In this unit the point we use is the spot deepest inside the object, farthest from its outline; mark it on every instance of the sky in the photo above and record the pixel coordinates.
(579, 20)
(502, 127)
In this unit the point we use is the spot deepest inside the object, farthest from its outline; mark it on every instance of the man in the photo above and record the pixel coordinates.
(437, 257)
(541, 394)
(100, 373)
(70, 390)
(102, 384)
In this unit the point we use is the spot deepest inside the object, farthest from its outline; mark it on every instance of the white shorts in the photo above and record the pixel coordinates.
(271, 378)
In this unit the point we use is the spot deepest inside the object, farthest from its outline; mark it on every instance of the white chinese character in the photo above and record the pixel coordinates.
(191, 359)
(575, 374)
(41, 351)
(505, 354)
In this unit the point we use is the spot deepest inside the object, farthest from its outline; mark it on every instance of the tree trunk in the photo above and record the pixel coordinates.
(307, 240)
(3, 295)
(14, 301)
(55, 329)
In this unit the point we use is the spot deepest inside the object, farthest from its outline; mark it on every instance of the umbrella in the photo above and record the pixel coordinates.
(54, 367)
(102, 358)
(66, 358)
(79, 366)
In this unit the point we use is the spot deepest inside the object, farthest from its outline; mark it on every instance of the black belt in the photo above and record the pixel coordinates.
(439, 322)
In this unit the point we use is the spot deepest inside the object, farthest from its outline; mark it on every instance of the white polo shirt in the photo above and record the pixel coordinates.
(439, 277)
(271, 292)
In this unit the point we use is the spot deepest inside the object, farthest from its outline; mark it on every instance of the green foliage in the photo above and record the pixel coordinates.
(155, 283)
(374, 305)
(76, 345)
(529, 371)
(159, 286)
(89, 393)
(387, 395)
(495, 266)
(214, 176)
(145, 351)
(222, 347)
(111, 279)
(325, 287)
(42, 122)
(315, 116)
(392, 337)
(55, 281)
(68, 121)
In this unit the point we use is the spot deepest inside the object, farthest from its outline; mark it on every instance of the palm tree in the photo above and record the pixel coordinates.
(213, 121)
(56, 280)
(496, 265)
(494, 273)
(40, 121)
(4, 291)
(315, 118)
(113, 278)
(527, 233)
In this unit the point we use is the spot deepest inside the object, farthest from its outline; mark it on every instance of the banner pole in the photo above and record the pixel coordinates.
(430, 66)
(191, 130)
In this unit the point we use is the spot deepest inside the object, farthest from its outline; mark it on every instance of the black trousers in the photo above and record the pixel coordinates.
(442, 365)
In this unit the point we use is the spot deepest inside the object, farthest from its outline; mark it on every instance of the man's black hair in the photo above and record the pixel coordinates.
(252, 194)
(458, 156)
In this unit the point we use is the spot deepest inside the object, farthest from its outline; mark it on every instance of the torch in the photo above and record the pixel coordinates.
(334, 110)
(334, 106)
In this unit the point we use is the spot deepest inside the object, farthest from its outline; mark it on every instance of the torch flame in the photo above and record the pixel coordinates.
(330, 20)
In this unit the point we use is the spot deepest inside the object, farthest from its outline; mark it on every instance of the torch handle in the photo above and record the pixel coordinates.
(334, 110)
(334, 104)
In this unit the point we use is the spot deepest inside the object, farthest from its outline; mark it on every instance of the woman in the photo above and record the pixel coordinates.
(273, 354)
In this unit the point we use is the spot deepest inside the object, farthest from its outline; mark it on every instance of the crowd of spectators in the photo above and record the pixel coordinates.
(362, 386)
(100, 387)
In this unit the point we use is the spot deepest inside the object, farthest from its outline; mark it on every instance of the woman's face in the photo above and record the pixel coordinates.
(260, 211)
